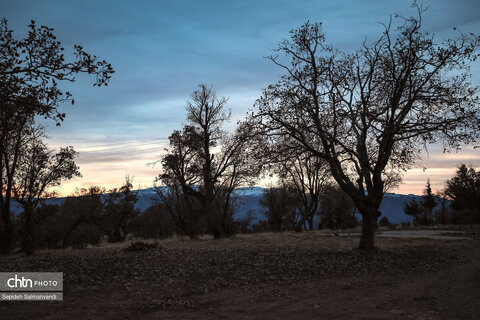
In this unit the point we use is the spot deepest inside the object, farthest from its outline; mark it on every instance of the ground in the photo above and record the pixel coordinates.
(310, 275)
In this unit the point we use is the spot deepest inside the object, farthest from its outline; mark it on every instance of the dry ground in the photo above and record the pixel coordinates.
(311, 275)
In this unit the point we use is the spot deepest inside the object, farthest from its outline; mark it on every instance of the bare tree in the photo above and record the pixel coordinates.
(337, 209)
(282, 208)
(306, 176)
(372, 111)
(206, 162)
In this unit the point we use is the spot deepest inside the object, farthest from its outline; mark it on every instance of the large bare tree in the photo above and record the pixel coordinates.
(370, 112)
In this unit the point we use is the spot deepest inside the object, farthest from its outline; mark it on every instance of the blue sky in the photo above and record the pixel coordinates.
(161, 51)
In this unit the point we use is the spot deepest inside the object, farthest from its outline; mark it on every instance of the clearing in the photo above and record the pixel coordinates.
(310, 275)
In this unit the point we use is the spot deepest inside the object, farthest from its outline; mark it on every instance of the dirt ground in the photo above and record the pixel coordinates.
(310, 275)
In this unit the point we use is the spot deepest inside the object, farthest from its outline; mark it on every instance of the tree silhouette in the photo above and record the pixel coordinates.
(194, 167)
(369, 113)
(306, 176)
(39, 169)
(119, 210)
(31, 70)
(413, 208)
(81, 215)
(464, 191)
(282, 206)
(428, 204)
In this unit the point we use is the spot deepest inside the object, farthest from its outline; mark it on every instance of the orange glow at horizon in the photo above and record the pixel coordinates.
(110, 171)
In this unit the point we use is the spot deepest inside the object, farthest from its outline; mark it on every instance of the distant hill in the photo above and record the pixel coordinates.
(391, 207)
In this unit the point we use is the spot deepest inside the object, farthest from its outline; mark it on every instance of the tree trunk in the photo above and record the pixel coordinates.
(67, 235)
(310, 223)
(7, 237)
(212, 220)
(300, 223)
(28, 241)
(369, 223)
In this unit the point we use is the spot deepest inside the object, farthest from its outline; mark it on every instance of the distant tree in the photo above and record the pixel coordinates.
(303, 174)
(31, 70)
(413, 209)
(282, 206)
(181, 173)
(464, 192)
(244, 225)
(442, 214)
(39, 169)
(48, 227)
(153, 223)
(119, 210)
(428, 204)
(337, 209)
(185, 211)
(80, 217)
(194, 167)
(384, 222)
(370, 112)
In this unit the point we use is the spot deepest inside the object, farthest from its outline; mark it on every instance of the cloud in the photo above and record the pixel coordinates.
(161, 51)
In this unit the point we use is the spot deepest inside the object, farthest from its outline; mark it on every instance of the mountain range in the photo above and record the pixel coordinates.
(391, 207)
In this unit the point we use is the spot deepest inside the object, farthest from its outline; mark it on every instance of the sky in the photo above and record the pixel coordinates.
(162, 50)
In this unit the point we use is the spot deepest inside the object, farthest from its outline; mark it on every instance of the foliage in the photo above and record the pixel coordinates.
(384, 222)
(154, 223)
(304, 175)
(464, 192)
(38, 170)
(413, 208)
(80, 217)
(119, 210)
(185, 210)
(31, 70)
(428, 204)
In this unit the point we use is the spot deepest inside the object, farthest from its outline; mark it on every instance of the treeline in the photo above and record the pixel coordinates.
(83, 218)
(457, 203)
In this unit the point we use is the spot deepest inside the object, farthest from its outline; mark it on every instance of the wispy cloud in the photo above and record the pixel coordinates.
(161, 51)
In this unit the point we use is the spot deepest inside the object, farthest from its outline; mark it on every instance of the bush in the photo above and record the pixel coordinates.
(154, 223)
